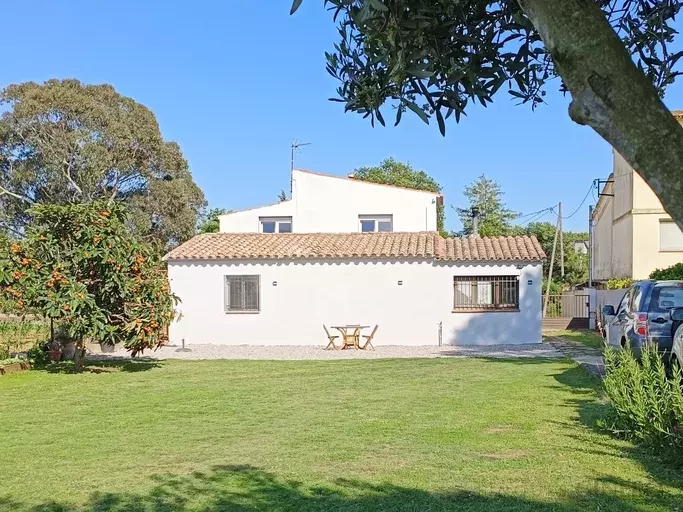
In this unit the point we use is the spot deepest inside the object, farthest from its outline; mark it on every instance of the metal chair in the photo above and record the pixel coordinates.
(368, 339)
(331, 338)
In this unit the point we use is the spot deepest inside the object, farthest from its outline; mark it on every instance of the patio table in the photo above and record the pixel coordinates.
(350, 335)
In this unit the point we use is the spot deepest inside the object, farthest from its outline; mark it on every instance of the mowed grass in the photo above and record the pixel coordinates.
(389, 435)
(582, 336)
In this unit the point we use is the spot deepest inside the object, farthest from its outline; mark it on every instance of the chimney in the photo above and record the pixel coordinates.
(475, 220)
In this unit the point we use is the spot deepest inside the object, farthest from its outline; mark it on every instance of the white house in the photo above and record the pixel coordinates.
(323, 203)
(343, 251)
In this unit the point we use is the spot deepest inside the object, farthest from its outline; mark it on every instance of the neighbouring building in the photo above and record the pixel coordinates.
(581, 247)
(632, 234)
(344, 251)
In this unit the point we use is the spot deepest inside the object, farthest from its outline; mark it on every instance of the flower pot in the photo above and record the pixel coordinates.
(55, 355)
(69, 350)
(107, 348)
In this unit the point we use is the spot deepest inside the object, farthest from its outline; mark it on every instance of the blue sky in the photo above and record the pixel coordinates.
(234, 82)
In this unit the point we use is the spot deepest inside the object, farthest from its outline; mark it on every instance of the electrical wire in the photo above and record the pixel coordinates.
(536, 218)
(522, 215)
(578, 207)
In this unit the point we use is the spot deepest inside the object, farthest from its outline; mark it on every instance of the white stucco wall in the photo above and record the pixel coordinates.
(330, 204)
(311, 293)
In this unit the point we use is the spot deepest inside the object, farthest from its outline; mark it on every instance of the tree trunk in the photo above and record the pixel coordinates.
(79, 359)
(611, 95)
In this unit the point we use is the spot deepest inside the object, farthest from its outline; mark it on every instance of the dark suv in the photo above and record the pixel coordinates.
(644, 314)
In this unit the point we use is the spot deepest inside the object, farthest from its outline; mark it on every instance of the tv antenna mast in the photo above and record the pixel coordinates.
(296, 148)
(296, 145)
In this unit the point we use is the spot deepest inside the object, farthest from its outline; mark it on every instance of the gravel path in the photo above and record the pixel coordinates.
(312, 352)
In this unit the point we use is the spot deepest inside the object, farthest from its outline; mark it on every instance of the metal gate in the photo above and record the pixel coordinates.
(566, 312)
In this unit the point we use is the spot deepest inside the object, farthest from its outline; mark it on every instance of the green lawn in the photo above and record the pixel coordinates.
(390, 435)
(585, 337)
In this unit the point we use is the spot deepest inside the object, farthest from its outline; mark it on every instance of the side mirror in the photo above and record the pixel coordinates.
(608, 310)
(677, 314)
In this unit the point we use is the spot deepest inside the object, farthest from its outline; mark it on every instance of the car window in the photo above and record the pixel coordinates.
(636, 299)
(624, 301)
(664, 298)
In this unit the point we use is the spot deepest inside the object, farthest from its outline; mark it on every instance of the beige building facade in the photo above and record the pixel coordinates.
(632, 234)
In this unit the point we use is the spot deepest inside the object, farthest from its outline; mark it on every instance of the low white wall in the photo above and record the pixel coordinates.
(311, 293)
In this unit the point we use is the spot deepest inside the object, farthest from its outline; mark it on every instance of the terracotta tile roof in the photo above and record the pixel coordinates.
(427, 245)
(492, 248)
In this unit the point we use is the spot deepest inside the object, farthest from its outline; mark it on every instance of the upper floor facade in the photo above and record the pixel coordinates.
(322, 203)
(632, 234)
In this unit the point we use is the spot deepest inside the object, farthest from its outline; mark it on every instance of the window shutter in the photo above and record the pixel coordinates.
(242, 293)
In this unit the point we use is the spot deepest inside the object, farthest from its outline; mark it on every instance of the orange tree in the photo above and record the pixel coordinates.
(81, 265)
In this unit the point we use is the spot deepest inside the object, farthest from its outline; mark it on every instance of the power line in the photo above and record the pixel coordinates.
(537, 217)
(521, 216)
(578, 207)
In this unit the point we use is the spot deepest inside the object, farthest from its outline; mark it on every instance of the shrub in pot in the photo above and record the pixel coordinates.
(54, 351)
(66, 342)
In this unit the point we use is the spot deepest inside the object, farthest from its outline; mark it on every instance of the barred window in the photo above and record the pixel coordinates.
(242, 294)
(486, 293)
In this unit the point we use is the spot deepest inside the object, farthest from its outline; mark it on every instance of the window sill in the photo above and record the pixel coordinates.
(486, 310)
(242, 312)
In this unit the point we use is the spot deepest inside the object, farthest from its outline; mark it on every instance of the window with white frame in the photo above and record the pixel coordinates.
(670, 236)
(275, 224)
(485, 293)
(375, 223)
(242, 294)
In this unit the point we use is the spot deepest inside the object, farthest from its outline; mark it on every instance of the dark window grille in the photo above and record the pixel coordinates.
(242, 294)
(485, 293)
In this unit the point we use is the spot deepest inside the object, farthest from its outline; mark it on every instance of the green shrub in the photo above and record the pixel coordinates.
(37, 354)
(646, 403)
(674, 272)
(619, 283)
(10, 360)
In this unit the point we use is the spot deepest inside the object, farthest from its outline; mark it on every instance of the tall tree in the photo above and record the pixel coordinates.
(393, 172)
(575, 264)
(435, 57)
(209, 222)
(63, 142)
(495, 218)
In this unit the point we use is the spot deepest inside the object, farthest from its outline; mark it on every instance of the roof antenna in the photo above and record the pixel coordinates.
(296, 144)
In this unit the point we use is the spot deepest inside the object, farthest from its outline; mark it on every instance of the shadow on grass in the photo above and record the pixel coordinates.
(101, 366)
(245, 488)
(591, 405)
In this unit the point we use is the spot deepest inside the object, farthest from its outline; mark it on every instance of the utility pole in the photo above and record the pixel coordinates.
(559, 220)
(550, 271)
(590, 246)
